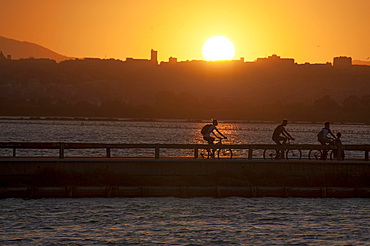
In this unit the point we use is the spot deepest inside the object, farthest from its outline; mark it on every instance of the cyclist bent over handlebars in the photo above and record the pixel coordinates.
(207, 135)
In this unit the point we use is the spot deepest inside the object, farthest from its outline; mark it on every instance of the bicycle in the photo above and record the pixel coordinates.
(220, 152)
(284, 153)
(320, 154)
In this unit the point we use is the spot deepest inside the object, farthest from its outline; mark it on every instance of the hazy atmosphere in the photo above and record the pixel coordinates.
(309, 31)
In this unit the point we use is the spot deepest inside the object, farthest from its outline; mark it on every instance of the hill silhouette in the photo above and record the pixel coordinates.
(358, 62)
(18, 50)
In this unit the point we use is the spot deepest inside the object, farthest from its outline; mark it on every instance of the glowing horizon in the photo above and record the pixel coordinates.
(308, 31)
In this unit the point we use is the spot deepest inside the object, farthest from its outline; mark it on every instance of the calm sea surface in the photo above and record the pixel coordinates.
(160, 132)
(177, 221)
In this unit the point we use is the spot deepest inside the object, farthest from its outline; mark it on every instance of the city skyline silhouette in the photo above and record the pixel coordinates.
(314, 31)
(13, 49)
(271, 88)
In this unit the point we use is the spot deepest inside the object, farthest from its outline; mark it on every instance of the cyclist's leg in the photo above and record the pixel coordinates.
(284, 139)
(210, 142)
(324, 151)
(278, 141)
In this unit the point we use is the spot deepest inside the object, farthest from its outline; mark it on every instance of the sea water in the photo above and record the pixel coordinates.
(161, 132)
(178, 221)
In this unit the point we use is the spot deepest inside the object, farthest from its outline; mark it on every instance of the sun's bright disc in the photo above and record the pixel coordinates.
(218, 48)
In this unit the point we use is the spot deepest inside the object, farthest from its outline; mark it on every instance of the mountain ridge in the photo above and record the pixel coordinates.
(359, 62)
(23, 49)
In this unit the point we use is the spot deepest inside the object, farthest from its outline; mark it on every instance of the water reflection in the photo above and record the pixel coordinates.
(159, 132)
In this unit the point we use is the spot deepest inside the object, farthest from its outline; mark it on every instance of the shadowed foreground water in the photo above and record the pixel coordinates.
(176, 221)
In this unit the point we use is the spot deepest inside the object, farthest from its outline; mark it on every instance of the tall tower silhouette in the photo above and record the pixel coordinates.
(154, 56)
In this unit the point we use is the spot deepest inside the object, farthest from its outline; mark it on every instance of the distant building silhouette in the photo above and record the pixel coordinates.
(172, 60)
(133, 60)
(275, 60)
(154, 56)
(342, 61)
(2, 56)
(316, 65)
(153, 59)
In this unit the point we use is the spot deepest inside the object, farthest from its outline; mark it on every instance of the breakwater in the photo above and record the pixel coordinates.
(181, 177)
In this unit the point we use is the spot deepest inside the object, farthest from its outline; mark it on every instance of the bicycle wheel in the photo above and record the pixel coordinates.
(314, 154)
(224, 154)
(333, 155)
(206, 153)
(269, 154)
(293, 154)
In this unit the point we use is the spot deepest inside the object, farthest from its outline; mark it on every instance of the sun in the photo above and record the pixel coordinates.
(218, 48)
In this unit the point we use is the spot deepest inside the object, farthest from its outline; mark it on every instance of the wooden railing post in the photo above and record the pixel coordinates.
(108, 152)
(14, 152)
(250, 153)
(196, 150)
(366, 155)
(61, 150)
(157, 151)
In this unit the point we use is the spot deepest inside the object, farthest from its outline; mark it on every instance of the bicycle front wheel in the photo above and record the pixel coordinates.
(315, 154)
(294, 154)
(224, 154)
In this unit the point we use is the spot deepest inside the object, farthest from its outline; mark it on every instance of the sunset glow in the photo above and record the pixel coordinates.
(308, 31)
(218, 48)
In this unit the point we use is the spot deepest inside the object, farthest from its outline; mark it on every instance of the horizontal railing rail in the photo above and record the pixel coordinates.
(61, 146)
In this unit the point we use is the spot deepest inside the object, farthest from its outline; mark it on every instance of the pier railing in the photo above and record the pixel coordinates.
(248, 148)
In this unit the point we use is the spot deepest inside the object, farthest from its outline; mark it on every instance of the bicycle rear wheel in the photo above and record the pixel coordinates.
(206, 153)
(224, 154)
(293, 154)
(269, 154)
(315, 154)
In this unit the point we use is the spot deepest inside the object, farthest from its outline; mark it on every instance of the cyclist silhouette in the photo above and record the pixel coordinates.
(281, 135)
(207, 132)
(323, 138)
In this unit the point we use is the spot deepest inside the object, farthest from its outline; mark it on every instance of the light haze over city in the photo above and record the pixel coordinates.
(308, 31)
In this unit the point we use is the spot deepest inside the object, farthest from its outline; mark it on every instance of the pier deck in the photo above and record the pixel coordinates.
(39, 177)
(155, 174)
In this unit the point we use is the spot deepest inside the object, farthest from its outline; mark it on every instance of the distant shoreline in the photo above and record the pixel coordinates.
(56, 118)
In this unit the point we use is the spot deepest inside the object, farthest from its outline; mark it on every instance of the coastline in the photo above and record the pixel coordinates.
(66, 118)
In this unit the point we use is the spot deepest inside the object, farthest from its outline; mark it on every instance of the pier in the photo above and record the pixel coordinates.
(35, 175)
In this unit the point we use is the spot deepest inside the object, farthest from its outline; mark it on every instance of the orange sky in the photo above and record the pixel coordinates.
(306, 30)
